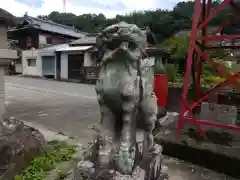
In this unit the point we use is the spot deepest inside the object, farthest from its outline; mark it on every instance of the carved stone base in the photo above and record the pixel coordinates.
(85, 171)
(150, 168)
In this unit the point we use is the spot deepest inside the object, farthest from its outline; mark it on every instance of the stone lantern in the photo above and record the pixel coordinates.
(19, 143)
(6, 54)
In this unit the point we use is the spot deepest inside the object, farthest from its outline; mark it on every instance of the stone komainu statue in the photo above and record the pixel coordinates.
(127, 103)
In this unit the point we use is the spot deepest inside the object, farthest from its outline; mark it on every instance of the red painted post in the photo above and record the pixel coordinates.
(161, 89)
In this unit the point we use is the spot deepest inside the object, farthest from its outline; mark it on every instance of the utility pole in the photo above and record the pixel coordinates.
(64, 6)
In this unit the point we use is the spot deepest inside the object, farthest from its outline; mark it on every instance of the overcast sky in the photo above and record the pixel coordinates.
(108, 7)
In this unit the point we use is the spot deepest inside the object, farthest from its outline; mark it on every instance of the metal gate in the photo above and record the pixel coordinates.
(48, 65)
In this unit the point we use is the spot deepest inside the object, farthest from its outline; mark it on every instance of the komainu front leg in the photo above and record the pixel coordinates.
(106, 134)
(126, 154)
(149, 108)
(153, 160)
(98, 157)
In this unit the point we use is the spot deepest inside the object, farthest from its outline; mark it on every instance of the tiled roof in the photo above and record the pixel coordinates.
(84, 40)
(51, 26)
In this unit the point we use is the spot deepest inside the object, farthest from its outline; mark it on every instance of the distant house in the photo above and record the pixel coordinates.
(62, 62)
(76, 60)
(31, 32)
(38, 33)
(41, 62)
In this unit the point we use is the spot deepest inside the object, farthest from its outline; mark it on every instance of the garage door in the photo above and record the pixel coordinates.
(48, 65)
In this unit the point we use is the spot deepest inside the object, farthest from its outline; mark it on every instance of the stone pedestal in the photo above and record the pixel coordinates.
(3, 65)
(2, 89)
(6, 55)
(111, 174)
(148, 167)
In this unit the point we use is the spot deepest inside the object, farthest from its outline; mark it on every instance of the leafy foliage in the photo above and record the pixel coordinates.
(177, 45)
(159, 67)
(163, 23)
(7, 17)
(57, 152)
(171, 72)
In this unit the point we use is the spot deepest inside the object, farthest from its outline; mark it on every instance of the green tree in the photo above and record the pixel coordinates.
(7, 17)
(163, 23)
(177, 45)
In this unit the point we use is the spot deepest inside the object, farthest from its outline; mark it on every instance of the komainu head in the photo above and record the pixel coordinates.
(122, 36)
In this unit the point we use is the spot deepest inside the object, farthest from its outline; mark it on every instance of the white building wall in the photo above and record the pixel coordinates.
(31, 70)
(18, 68)
(88, 59)
(64, 65)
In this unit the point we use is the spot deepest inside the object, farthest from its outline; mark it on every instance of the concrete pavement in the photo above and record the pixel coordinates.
(62, 107)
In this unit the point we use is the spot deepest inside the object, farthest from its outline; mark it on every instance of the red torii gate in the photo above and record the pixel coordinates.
(203, 14)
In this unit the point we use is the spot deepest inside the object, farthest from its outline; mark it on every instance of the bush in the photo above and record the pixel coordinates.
(213, 79)
(171, 72)
(159, 68)
(39, 166)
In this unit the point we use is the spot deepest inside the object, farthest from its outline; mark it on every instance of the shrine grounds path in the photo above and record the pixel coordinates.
(72, 109)
(63, 107)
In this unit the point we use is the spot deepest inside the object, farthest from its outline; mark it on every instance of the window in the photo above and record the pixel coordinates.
(42, 40)
(29, 41)
(49, 40)
(45, 40)
(31, 62)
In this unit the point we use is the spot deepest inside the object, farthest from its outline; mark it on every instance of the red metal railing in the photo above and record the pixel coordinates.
(201, 19)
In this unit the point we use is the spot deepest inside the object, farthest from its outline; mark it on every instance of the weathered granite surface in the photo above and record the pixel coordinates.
(18, 145)
(111, 174)
(148, 167)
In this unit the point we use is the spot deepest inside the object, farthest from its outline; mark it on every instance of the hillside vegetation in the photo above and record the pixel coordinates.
(163, 23)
